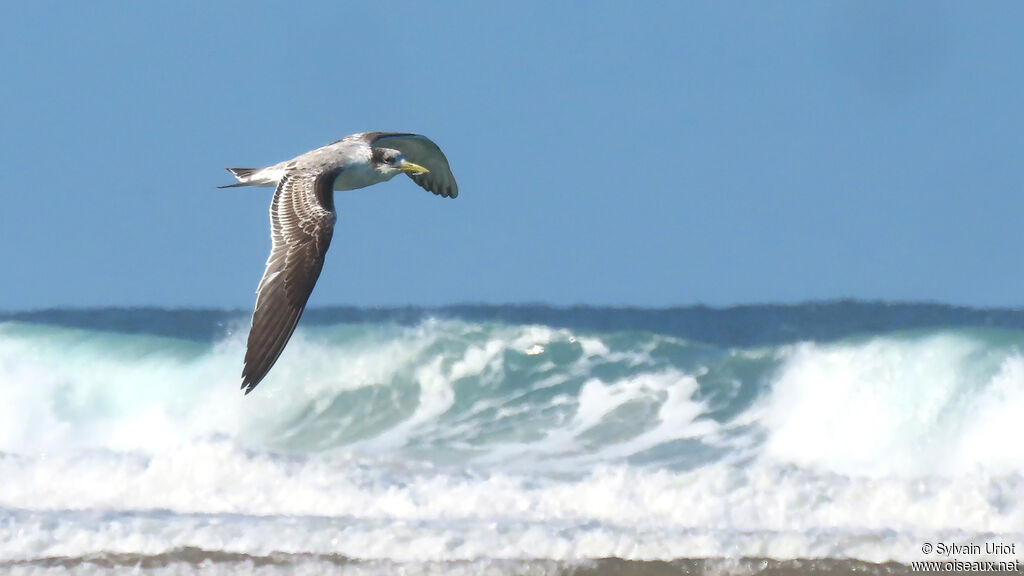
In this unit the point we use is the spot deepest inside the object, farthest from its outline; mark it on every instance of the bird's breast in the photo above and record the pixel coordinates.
(358, 176)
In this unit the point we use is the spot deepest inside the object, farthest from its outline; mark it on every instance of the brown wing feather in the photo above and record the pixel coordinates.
(301, 225)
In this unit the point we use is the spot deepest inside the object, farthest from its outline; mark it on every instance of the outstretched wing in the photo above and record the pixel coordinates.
(301, 224)
(421, 150)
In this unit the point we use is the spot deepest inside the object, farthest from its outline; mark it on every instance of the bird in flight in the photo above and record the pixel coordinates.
(302, 220)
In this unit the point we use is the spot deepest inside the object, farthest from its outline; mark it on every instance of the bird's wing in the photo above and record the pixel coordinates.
(301, 224)
(421, 150)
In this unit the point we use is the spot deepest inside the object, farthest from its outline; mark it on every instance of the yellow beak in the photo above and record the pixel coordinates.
(410, 168)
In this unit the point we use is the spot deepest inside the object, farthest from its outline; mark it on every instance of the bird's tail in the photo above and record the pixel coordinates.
(243, 175)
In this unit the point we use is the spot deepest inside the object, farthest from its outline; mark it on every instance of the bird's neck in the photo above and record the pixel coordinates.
(360, 176)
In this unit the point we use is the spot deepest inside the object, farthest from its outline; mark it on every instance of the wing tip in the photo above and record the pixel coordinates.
(251, 377)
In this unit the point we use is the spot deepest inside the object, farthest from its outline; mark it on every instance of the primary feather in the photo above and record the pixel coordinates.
(302, 218)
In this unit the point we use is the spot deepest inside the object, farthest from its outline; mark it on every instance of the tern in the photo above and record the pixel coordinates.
(302, 220)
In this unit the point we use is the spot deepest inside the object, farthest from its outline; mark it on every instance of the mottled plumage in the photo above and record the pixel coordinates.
(302, 220)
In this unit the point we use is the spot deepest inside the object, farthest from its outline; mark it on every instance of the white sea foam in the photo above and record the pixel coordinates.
(216, 496)
(864, 448)
(939, 404)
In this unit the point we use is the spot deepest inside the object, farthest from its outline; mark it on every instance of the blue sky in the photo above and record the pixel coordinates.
(643, 154)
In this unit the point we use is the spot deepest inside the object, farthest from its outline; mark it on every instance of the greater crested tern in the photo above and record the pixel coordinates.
(302, 220)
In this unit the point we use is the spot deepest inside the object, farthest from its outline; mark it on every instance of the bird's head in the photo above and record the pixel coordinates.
(389, 163)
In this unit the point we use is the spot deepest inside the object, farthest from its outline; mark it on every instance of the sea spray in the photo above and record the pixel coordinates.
(451, 440)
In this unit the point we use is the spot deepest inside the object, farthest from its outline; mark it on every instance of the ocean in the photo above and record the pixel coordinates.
(825, 438)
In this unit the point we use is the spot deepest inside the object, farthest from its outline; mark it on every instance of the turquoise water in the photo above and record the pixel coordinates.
(426, 438)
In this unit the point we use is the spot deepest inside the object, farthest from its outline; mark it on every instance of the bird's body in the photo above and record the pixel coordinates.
(302, 218)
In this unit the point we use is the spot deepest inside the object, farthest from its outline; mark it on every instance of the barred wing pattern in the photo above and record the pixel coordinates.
(302, 220)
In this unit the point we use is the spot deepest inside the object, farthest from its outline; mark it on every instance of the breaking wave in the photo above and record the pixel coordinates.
(453, 440)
